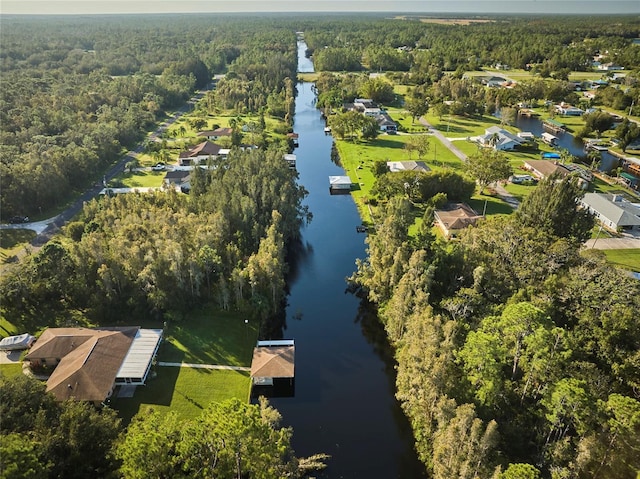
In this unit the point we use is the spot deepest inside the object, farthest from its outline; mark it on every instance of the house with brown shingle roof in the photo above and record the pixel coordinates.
(90, 362)
(455, 217)
(273, 361)
(545, 168)
(199, 153)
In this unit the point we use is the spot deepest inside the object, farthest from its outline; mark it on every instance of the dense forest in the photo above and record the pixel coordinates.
(517, 351)
(77, 92)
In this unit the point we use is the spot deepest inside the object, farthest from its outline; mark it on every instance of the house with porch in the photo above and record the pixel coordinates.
(499, 139)
(89, 363)
(200, 153)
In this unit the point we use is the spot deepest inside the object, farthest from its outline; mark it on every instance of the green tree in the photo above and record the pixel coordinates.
(418, 107)
(553, 207)
(19, 458)
(489, 166)
(520, 471)
(378, 90)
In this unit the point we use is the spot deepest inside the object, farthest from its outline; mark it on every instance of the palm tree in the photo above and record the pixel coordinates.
(595, 157)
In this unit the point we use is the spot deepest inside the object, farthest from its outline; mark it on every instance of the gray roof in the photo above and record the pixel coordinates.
(619, 212)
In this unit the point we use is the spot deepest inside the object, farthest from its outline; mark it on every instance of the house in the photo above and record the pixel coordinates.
(89, 363)
(455, 217)
(385, 123)
(568, 110)
(199, 153)
(177, 178)
(613, 211)
(544, 168)
(216, 134)
(499, 139)
(361, 104)
(395, 166)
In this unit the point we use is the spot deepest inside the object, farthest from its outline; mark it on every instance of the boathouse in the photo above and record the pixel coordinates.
(273, 367)
(339, 183)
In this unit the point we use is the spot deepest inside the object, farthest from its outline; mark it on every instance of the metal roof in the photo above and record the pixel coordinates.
(137, 360)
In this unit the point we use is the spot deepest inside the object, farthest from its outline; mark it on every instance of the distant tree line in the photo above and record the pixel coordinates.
(75, 93)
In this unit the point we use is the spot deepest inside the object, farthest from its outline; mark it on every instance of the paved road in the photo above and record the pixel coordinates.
(613, 243)
(504, 194)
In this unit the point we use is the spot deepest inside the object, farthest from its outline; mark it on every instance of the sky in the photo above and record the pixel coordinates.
(250, 6)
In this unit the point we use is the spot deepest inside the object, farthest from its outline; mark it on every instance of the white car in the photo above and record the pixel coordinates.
(158, 167)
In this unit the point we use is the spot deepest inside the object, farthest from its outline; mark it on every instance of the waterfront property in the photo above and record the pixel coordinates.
(499, 139)
(549, 139)
(339, 183)
(88, 363)
(273, 366)
(395, 166)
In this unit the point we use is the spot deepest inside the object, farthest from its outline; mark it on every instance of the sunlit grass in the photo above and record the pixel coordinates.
(624, 258)
(186, 391)
(14, 240)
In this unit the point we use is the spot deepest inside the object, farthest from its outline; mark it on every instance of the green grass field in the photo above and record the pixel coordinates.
(10, 370)
(184, 390)
(206, 336)
(624, 258)
(142, 179)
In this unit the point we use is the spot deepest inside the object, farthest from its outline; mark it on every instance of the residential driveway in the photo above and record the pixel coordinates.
(613, 243)
(10, 357)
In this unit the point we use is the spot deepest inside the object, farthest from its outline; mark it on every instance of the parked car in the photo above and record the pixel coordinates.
(158, 167)
(518, 179)
(19, 219)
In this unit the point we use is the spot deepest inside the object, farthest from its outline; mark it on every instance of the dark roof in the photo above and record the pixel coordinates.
(206, 148)
(176, 175)
(89, 360)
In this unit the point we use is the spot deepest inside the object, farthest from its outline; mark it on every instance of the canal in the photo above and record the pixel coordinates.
(565, 140)
(344, 402)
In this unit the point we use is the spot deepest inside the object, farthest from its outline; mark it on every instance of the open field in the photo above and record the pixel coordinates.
(207, 336)
(453, 126)
(624, 258)
(184, 390)
(141, 179)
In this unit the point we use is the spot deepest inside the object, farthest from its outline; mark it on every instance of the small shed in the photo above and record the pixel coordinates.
(342, 183)
(549, 139)
(273, 362)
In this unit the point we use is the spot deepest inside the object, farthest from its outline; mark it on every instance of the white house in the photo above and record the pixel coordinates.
(613, 211)
(568, 110)
(500, 139)
(395, 166)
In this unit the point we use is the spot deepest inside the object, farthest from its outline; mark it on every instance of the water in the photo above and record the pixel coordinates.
(565, 140)
(344, 402)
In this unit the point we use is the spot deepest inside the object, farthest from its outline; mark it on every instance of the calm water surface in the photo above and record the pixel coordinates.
(344, 401)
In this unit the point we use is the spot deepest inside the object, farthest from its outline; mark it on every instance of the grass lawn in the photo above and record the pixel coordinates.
(453, 126)
(141, 179)
(184, 390)
(9, 370)
(624, 258)
(207, 336)
(210, 336)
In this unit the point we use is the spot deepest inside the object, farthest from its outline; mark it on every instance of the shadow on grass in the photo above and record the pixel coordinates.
(159, 390)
